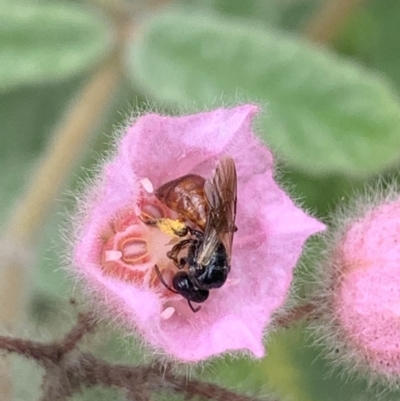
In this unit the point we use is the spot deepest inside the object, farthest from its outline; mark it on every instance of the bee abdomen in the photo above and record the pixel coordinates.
(185, 195)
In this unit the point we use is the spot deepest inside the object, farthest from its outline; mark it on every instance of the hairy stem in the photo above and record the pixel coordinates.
(208, 391)
(67, 370)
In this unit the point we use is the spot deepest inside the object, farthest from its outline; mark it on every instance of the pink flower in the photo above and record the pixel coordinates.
(116, 251)
(360, 298)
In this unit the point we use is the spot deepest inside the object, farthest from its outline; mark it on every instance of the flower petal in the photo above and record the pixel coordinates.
(163, 148)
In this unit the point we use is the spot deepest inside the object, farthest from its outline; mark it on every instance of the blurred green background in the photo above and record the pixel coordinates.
(331, 113)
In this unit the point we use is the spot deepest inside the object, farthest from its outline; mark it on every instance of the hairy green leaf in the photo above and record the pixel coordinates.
(43, 41)
(324, 114)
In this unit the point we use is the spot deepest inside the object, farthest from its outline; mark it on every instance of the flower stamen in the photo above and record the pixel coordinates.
(167, 312)
(112, 256)
(147, 185)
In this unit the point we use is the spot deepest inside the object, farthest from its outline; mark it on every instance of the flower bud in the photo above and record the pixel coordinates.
(359, 293)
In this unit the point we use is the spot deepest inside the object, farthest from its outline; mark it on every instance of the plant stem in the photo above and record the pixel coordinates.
(66, 374)
(329, 19)
(68, 144)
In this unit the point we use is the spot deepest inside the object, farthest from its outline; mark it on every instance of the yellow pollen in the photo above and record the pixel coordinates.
(171, 227)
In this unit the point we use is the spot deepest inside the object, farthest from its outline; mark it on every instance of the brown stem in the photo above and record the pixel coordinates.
(86, 323)
(67, 372)
(51, 351)
(55, 387)
(140, 380)
(329, 19)
(27, 348)
(208, 391)
(139, 395)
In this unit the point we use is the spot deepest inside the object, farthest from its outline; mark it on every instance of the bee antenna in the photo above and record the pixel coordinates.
(193, 308)
(161, 278)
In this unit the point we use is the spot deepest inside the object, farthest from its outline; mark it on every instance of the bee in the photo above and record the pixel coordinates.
(210, 205)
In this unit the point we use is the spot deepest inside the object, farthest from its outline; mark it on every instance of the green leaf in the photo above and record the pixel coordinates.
(29, 114)
(324, 114)
(358, 37)
(384, 50)
(296, 370)
(28, 117)
(320, 195)
(43, 41)
(288, 14)
(52, 279)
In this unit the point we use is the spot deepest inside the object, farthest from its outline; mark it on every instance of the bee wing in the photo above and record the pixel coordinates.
(221, 195)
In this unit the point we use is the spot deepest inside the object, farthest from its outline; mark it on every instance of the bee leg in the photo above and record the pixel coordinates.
(198, 234)
(193, 308)
(161, 278)
(182, 263)
(174, 252)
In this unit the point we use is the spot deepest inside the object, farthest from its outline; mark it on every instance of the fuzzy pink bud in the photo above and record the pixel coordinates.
(360, 305)
(116, 251)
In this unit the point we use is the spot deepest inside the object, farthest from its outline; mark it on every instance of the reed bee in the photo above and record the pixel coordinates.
(210, 205)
